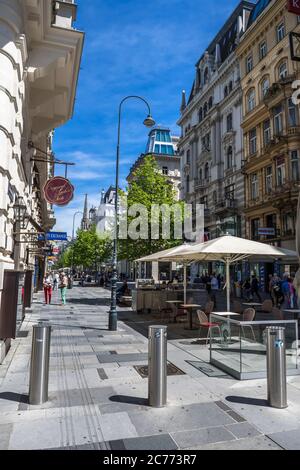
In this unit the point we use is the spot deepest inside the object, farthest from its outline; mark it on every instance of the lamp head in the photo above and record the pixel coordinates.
(149, 121)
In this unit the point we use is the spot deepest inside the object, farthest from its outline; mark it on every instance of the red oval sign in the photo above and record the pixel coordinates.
(59, 191)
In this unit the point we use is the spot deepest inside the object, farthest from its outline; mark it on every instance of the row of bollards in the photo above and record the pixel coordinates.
(157, 366)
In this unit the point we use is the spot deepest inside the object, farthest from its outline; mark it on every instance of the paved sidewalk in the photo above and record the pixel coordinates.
(98, 400)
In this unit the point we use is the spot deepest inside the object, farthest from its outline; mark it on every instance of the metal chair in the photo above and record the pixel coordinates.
(204, 323)
(237, 307)
(248, 316)
(277, 314)
(267, 306)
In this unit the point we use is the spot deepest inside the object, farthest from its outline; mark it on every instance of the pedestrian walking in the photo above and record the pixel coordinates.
(255, 287)
(55, 281)
(63, 285)
(48, 285)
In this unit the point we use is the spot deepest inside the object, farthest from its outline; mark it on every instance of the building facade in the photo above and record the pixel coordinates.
(271, 125)
(40, 55)
(211, 143)
(162, 145)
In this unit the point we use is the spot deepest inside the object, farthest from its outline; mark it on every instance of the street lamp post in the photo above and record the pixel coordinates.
(148, 122)
(21, 220)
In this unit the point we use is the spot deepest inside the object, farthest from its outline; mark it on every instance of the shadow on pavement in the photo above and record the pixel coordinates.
(129, 400)
(247, 401)
(11, 396)
(83, 301)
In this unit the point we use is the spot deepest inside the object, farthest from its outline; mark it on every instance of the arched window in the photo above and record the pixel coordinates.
(205, 77)
(282, 70)
(210, 102)
(225, 91)
(229, 157)
(265, 85)
(251, 100)
(206, 172)
(200, 114)
(205, 109)
(230, 86)
(200, 174)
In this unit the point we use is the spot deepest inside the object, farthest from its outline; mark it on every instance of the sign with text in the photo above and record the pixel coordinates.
(266, 231)
(293, 6)
(58, 191)
(54, 237)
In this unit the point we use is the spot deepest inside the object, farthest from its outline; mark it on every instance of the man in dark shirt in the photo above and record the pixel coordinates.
(255, 287)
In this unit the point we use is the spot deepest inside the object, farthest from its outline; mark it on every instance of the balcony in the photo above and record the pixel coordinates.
(294, 131)
(201, 185)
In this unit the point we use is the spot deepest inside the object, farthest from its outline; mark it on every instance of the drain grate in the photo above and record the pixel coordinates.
(171, 370)
(22, 334)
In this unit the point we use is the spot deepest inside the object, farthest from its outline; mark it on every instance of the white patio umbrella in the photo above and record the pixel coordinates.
(168, 255)
(229, 250)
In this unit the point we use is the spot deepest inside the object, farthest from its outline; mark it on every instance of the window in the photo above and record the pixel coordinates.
(200, 114)
(188, 157)
(206, 143)
(157, 148)
(229, 157)
(210, 103)
(200, 175)
(206, 76)
(252, 142)
(206, 172)
(263, 50)
(254, 186)
(170, 150)
(229, 122)
(292, 113)
(251, 100)
(282, 71)
(255, 224)
(229, 192)
(267, 132)
(249, 63)
(165, 170)
(280, 31)
(278, 120)
(269, 179)
(230, 86)
(205, 109)
(225, 91)
(295, 174)
(265, 85)
(164, 149)
(288, 223)
(187, 184)
(280, 171)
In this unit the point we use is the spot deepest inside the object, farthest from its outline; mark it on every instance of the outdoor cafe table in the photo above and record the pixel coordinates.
(190, 308)
(252, 304)
(294, 311)
(176, 303)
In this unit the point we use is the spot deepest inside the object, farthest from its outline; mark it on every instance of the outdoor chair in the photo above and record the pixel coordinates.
(162, 313)
(267, 306)
(248, 316)
(204, 323)
(277, 314)
(237, 307)
(209, 306)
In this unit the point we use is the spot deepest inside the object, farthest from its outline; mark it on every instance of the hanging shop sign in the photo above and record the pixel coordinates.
(53, 236)
(58, 191)
(293, 6)
(267, 231)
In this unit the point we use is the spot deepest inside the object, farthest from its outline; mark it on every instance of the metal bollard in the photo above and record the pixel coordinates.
(276, 367)
(39, 366)
(157, 366)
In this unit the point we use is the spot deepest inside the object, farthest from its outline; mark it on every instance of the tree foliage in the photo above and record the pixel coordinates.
(149, 187)
(88, 250)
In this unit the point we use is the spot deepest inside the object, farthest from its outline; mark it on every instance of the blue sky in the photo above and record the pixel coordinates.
(131, 47)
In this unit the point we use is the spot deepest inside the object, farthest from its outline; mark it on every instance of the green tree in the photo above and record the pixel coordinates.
(150, 187)
(88, 250)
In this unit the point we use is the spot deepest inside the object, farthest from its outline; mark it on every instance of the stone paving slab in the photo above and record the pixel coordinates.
(289, 440)
(104, 405)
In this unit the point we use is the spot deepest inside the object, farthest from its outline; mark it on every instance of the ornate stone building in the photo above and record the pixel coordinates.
(211, 144)
(40, 55)
(270, 125)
